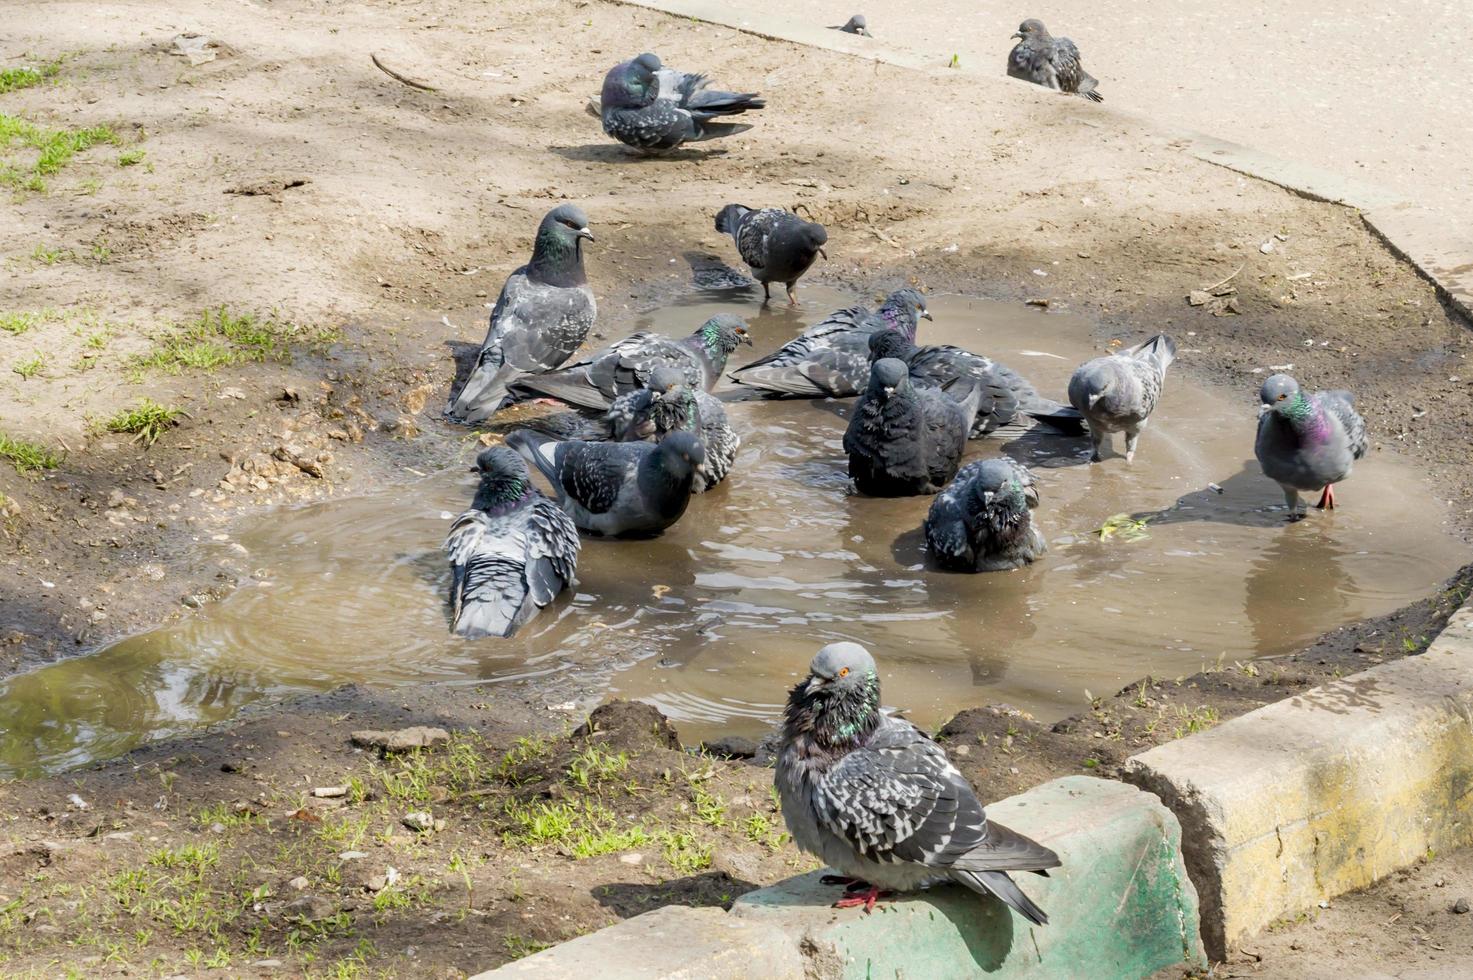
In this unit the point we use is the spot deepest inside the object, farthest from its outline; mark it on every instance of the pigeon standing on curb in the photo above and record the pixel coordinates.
(904, 440)
(777, 245)
(1118, 392)
(542, 316)
(655, 109)
(856, 25)
(873, 797)
(1307, 442)
(983, 521)
(510, 554)
(1052, 62)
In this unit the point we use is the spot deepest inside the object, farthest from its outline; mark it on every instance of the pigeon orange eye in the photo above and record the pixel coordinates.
(843, 671)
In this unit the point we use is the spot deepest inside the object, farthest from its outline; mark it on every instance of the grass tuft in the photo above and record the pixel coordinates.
(219, 338)
(54, 148)
(31, 366)
(146, 421)
(14, 79)
(27, 456)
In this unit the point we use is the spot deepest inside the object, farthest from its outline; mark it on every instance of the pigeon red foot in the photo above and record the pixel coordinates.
(1327, 498)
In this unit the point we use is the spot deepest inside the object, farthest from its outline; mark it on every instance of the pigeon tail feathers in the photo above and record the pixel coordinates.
(998, 883)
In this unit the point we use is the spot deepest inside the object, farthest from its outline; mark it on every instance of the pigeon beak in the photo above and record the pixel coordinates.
(1018, 35)
(814, 683)
(889, 391)
(1264, 407)
(824, 254)
(585, 233)
(926, 315)
(746, 339)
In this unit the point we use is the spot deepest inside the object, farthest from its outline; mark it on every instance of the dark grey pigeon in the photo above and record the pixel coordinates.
(1307, 442)
(831, 358)
(1118, 392)
(1052, 62)
(634, 489)
(510, 554)
(655, 109)
(983, 520)
(872, 796)
(597, 379)
(777, 245)
(904, 439)
(1005, 393)
(543, 315)
(856, 25)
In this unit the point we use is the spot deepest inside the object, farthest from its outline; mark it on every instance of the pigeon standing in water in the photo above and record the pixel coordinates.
(983, 521)
(831, 358)
(617, 488)
(544, 313)
(777, 245)
(856, 25)
(1052, 62)
(510, 554)
(1307, 442)
(905, 440)
(655, 109)
(1117, 393)
(873, 797)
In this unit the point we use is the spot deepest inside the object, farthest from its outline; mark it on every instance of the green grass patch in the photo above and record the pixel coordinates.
(31, 366)
(145, 421)
(23, 320)
(13, 79)
(27, 456)
(219, 337)
(54, 148)
(582, 830)
(131, 158)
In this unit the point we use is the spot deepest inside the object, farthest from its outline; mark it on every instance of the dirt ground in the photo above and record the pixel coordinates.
(294, 250)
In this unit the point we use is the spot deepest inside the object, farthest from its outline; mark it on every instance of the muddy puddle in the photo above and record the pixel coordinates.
(714, 620)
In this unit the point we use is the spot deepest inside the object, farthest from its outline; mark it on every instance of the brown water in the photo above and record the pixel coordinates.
(714, 620)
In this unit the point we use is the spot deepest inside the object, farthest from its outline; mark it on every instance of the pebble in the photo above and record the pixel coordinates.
(1460, 906)
(633, 857)
(299, 883)
(422, 821)
(416, 737)
(330, 792)
(352, 855)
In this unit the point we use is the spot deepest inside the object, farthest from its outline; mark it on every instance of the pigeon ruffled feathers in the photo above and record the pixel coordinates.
(983, 520)
(904, 439)
(655, 109)
(1052, 62)
(511, 554)
(1118, 392)
(877, 800)
(542, 316)
(777, 245)
(1307, 441)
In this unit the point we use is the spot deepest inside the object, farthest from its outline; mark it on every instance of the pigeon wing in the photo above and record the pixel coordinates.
(1342, 405)
(594, 473)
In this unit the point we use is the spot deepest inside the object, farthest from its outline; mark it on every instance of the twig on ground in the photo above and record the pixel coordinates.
(422, 86)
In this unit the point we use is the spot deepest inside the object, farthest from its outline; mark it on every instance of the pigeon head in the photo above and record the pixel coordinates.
(557, 254)
(681, 454)
(887, 376)
(664, 380)
(839, 702)
(631, 84)
(505, 481)
(1281, 393)
(904, 309)
(996, 480)
(812, 237)
(889, 343)
(723, 334)
(857, 25)
(1032, 29)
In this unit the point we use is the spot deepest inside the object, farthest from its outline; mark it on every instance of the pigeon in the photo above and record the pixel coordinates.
(777, 245)
(1005, 394)
(1118, 392)
(905, 440)
(831, 358)
(510, 554)
(856, 25)
(1052, 62)
(543, 315)
(1307, 441)
(634, 489)
(983, 521)
(598, 378)
(873, 797)
(655, 109)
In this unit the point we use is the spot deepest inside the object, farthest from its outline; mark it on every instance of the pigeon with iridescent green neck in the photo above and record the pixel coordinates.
(1307, 441)
(983, 520)
(654, 109)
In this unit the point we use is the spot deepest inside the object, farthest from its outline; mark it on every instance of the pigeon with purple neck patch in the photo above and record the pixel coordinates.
(1118, 392)
(904, 439)
(983, 520)
(1052, 62)
(655, 109)
(777, 245)
(874, 798)
(1307, 441)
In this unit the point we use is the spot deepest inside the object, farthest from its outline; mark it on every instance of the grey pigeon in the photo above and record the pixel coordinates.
(873, 797)
(983, 521)
(510, 554)
(1118, 392)
(904, 439)
(831, 358)
(856, 25)
(655, 109)
(542, 316)
(1052, 62)
(1005, 393)
(1307, 442)
(777, 245)
(598, 378)
(617, 488)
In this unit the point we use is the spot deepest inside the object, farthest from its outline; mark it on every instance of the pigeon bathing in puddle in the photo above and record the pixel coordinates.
(831, 358)
(874, 798)
(598, 378)
(655, 109)
(1118, 392)
(1052, 62)
(904, 440)
(1307, 442)
(510, 554)
(983, 520)
(856, 25)
(542, 316)
(617, 488)
(777, 245)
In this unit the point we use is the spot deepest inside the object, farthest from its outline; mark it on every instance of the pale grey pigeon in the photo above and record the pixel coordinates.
(831, 358)
(511, 554)
(1118, 392)
(655, 109)
(542, 316)
(1052, 62)
(873, 797)
(1307, 442)
(777, 245)
(634, 489)
(856, 25)
(983, 520)
(904, 439)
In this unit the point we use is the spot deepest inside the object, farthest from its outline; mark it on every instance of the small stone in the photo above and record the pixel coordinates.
(730, 747)
(116, 499)
(633, 857)
(1460, 907)
(1198, 297)
(352, 855)
(420, 820)
(401, 740)
(299, 883)
(962, 750)
(267, 964)
(330, 792)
